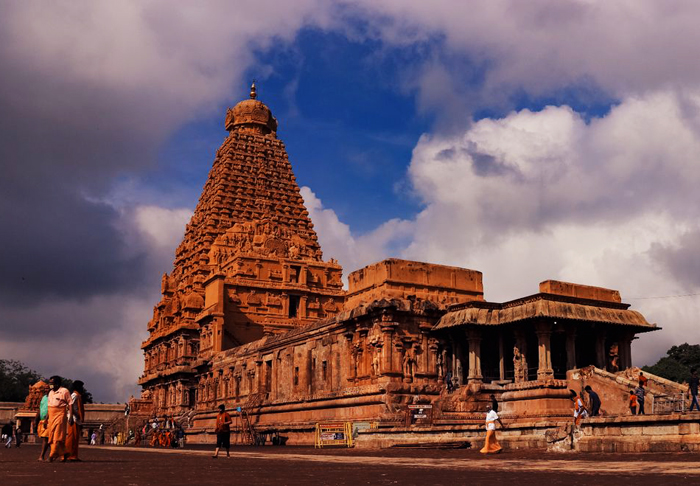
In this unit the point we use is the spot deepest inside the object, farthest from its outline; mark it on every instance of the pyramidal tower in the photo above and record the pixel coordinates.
(249, 264)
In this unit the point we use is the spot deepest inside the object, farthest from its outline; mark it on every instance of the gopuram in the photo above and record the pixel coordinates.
(252, 316)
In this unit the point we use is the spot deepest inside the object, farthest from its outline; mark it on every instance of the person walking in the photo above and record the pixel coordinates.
(593, 400)
(76, 416)
(223, 431)
(580, 411)
(491, 445)
(42, 426)
(59, 401)
(494, 403)
(639, 391)
(18, 436)
(693, 390)
(7, 434)
(633, 402)
(642, 380)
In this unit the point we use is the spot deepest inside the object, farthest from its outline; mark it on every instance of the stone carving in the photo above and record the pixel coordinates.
(330, 307)
(375, 362)
(253, 298)
(274, 300)
(409, 362)
(519, 370)
(233, 297)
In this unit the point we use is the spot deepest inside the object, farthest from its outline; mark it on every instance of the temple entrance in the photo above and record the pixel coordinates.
(533, 355)
(490, 356)
(508, 345)
(585, 347)
(558, 352)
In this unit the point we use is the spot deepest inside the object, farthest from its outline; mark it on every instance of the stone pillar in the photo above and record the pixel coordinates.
(501, 357)
(397, 365)
(432, 356)
(260, 378)
(474, 339)
(521, 344)
(600, 354)
(625, 350)
(387, 364)
(570, 347)
(458, 370)
(301, 313)
(543, 330)
(351, 355)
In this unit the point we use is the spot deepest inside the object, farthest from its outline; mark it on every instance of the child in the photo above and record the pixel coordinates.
(633, 402)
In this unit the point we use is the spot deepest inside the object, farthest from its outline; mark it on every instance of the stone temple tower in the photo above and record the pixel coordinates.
(249, 264)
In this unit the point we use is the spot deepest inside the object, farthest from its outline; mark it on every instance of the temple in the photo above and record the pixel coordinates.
(252, 316)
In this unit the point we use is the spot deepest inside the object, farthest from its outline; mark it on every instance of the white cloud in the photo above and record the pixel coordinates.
(534, 196)
(541, 45)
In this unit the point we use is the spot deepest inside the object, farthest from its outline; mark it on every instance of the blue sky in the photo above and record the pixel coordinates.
(528, 140)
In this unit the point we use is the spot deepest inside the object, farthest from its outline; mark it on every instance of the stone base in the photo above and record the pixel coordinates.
(641, 433)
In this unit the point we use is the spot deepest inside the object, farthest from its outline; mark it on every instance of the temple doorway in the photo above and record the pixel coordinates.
(558, 353)
(585, 347)
(490, 356)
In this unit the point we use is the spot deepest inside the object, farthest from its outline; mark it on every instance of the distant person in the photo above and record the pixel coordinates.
(580, 411)
(76, 417)
(42, 426)
(491, 445)
(18, 437)
(594, 401)
(448, 381)
(93, 439)
(633, 402)
(494, 403)
(180, 437)
(642, 380)
(59, 401)
(7, 434)
(639, 391)
(223, 431)
(693, 390)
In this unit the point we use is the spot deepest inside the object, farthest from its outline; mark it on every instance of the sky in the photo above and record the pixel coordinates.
(528, 140)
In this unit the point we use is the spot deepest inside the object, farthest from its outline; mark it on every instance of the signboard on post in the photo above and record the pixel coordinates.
(419, 414)
(338, 434)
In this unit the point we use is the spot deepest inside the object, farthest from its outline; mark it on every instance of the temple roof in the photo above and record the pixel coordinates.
(544, 305)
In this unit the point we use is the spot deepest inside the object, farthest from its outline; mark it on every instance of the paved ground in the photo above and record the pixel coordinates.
(304, 466)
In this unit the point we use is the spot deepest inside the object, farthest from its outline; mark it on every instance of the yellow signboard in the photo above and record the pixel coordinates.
(338, 434)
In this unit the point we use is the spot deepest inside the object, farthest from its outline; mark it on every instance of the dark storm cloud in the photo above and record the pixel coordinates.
(58, 240)
(681, 259)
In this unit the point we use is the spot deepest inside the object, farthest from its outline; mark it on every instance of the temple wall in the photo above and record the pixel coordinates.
(399, 279)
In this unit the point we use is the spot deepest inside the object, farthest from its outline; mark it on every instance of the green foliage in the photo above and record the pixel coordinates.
(16, 378)
(677, 364)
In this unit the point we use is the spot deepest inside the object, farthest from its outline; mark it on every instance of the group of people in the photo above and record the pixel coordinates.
(60, 419)
(10, 433)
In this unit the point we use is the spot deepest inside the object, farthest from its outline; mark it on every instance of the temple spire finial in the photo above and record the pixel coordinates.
(253, 91)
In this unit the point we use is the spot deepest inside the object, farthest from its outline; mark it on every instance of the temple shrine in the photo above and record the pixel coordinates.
(252, 316)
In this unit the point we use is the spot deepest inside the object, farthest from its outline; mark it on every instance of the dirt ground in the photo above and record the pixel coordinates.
(269, 465)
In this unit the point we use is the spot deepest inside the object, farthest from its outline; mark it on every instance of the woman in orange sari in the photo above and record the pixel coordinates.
(491, 446)
(76, 415)
(59, 401)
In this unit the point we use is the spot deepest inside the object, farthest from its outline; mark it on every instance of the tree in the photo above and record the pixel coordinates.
(15, 380)
(677, 363)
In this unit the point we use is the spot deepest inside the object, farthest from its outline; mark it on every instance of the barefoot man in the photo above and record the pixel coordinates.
(223, 431)
(491, 446)
(76, 416)
(59, 401)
